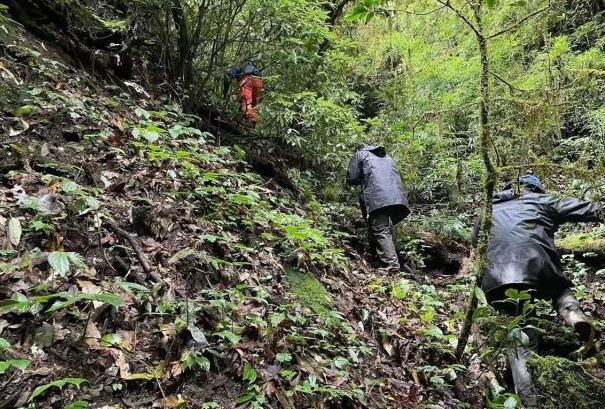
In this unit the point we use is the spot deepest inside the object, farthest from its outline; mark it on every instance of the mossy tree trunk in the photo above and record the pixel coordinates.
(184, 67)
(489, 182)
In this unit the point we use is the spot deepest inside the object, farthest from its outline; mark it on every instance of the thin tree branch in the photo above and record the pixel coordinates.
(137, 249)
(518, 23)
(461, 16)
(505, 82)
(423, 13)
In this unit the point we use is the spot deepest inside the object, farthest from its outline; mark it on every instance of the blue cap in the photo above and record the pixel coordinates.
(234, 72)
(531, 180)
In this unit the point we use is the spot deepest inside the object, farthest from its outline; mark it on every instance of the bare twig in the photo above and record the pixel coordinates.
(103, 251)
(137, 249)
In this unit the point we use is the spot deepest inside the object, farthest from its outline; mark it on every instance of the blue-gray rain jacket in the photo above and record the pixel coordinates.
(381, 184)
(522, 243)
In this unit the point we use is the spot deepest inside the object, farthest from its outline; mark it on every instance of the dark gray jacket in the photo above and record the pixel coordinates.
(522, 244)
(381, 184)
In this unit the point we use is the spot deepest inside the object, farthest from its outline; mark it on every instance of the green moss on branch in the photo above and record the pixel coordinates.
(309, 291)
(581, 243)
(563, 384)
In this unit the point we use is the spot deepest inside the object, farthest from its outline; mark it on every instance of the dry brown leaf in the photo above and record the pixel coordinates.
(92, 336)
(128, 339)
(284, 399)
(386, 344)
(170, 402)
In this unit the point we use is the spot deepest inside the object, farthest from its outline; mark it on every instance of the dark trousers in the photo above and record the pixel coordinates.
(382, 238)
(518, 355)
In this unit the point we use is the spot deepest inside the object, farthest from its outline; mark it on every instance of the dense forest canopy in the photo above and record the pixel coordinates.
(160, 247)
(409, 78)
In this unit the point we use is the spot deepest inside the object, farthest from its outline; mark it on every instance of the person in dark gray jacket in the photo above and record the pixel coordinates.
(522, 255)
(383, 199)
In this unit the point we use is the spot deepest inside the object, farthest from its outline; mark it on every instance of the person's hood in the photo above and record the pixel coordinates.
(376, 150)
(505, 196)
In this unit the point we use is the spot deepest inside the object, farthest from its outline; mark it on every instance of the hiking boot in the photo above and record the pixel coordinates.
(387, 271)
(575, 318)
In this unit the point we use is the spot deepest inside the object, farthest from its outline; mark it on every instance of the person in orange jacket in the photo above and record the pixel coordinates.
(250, 91)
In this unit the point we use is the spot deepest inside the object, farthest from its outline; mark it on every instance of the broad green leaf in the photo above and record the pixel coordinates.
(4, 367)
(14, 231)
(4, 344)
(250, 374)
(480, 296)
(514, 322)
(20, 364)
(59, 262)
(437, 380)
(203, 362)
(128, 286)
(70, 187)
(110, 340)
(37, 225)
(78, 405)
(401, 289)
(210, 238)
(178, 130)
(87, 204)
(142, 113)
(111, 299)
(491, 3)
(58, 383)
(283, 357)
(358, 13)
(234, 339)
(481, 312)
(75, 258)
(519, 336)
(10, 305)
(434, 332)
(341, 362)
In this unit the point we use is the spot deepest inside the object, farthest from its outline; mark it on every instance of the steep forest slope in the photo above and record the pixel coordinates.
(145, 266)
(145, 263)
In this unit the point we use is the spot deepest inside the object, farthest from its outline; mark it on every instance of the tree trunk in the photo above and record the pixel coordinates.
(183, 70)
(489, 181)
(334, 12)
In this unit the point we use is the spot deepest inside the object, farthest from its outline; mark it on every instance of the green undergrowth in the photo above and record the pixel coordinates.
(216, 235)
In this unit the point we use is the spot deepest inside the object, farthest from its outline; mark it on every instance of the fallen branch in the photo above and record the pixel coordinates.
(10, 400)
(134, 243)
